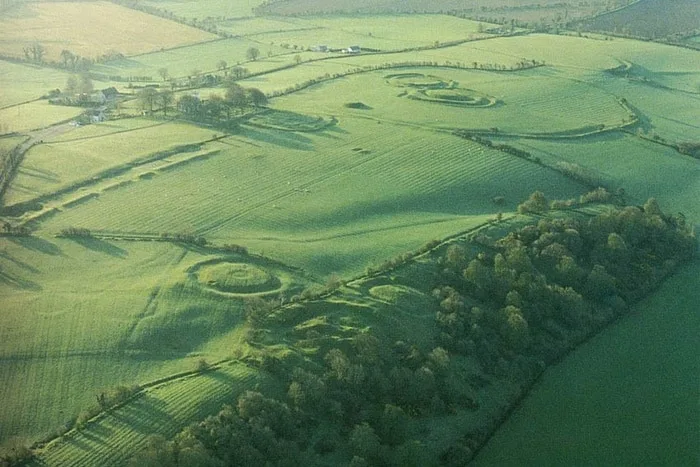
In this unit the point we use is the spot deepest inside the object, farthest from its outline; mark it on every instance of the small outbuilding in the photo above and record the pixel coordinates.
(353, 49)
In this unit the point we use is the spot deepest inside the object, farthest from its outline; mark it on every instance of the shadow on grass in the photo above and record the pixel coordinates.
(286, 139)
(37, 244)
(18, 262)
(101, 246)
(146, 415)
(19, 282)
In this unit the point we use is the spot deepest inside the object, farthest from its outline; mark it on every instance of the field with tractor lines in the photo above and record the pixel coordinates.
(271, 185)
(164, 409)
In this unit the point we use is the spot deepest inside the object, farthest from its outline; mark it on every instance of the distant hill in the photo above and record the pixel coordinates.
(654, 19)
(480, 7)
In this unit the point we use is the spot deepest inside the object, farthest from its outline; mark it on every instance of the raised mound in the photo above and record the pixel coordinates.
(460, 97)
(417, 80)
(237, 278)
(290, 121)
(358, 105)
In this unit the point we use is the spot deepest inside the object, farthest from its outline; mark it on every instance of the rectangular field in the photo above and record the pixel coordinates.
(55, 165)
(90, 29)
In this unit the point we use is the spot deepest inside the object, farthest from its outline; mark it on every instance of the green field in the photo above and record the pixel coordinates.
(327, 181)
(53, 166)
(39, 114)
(182, 62)
(519, 108)
(22, 83)
(289, 191)
(633, 164)
(202, 9)
(376, 32)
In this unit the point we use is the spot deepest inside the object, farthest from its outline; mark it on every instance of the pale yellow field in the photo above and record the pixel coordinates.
(90, 30)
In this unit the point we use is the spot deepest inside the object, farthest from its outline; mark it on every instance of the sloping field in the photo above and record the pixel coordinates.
(310, 7)
(650, 18)
(644, 169)
(255, 26)
(33, 115)
(165, 409)
(90, 29)
(66, 307)
(288, 189)
(22, 83)
(527, 102)
(376, 32)
(202, 9)
(183, 61)
(669, 114)
(84, 315)
(53, 166)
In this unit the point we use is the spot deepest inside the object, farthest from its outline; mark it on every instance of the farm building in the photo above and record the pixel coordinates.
(353, 49)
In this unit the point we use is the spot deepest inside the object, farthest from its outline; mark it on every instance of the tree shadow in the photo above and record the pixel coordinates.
(19, 282)
(18, 262)
(37, 244)
(285, 139)
(101, 246)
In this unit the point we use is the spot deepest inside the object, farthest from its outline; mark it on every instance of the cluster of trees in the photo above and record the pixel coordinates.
(356, 409)
(547, 286)
(75, 232)
(75, 62)
(15, 230)
(77, 90)
(217, 109)
(150, 97)
(183, 237)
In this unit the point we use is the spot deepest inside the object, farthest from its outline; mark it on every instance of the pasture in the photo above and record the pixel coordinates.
(156, 320)
(375, 32)
(290, 190)
(186, 61)
(559, 105)
(22, 83)
(53, 166)
(33, 115)
(164, 409)
(644, 169)
(71, 25)
(203, 9)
